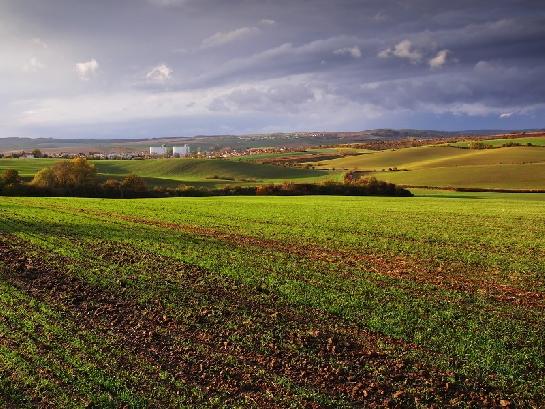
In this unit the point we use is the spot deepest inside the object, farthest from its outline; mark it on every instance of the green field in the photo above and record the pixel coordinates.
(436, 300)
(26, 167)
(446, 166)
(523, 176)
(172, 172)
(401, 158)
(425, 157)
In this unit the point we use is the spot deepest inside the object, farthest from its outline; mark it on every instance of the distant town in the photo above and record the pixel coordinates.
(229, 146)
(154, 152)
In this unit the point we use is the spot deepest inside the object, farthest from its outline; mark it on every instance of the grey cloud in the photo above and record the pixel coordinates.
(285, 62)
(222, 38)
(355, 51)
(166, 3)
(495, 86)
(284, 98)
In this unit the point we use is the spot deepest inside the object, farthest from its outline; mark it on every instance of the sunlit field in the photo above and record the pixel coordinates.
(302, 301)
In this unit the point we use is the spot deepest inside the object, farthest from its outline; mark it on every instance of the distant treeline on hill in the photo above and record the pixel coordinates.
(78, 177)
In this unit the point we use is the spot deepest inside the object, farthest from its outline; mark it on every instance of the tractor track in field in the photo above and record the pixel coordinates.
(311, 349)
(403, 268)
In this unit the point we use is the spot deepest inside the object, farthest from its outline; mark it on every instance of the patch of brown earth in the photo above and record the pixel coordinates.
(240, 359)
(443, 276)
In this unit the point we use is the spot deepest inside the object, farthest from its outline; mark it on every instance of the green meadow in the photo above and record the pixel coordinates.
(172, 172)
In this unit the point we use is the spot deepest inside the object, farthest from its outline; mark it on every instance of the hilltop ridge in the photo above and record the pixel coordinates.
(219, 142)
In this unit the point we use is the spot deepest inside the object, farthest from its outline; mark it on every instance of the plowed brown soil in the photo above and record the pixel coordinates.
(237, 342)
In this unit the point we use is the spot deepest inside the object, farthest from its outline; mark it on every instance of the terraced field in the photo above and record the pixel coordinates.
(172, 172)
(273, 302)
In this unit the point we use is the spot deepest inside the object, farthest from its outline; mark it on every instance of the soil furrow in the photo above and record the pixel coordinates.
(337, 359)
(420, 271)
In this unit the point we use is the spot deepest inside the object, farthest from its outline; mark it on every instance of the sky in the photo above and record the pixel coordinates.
(156, 68)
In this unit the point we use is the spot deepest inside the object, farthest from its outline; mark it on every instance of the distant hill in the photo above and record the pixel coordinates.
(220, 142)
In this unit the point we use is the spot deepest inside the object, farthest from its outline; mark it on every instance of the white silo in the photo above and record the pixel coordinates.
(180, 150)
(157, 150)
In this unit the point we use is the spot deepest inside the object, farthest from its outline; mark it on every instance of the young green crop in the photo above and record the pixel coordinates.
(303, 252)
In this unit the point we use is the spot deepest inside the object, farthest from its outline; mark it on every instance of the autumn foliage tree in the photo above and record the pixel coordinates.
(11, 177)
(74, 175)
(133, 185)
(112, 187)
(37, 153)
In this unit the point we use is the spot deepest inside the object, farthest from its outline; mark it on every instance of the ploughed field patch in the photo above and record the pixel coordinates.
(423, 271)
(144, 306)
(450, 276)
(235, 344)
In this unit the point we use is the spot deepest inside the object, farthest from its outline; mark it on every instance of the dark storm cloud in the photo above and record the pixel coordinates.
(268, 65)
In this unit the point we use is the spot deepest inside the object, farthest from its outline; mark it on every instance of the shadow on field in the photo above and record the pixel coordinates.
(152, 182)
(91, 228)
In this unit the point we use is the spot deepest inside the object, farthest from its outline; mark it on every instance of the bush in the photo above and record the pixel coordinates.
(364, 187)
(133, 186)
(11, 177)
(76, 176)
(479, 145)
(45, 178)
(79, 177)
(112, 188)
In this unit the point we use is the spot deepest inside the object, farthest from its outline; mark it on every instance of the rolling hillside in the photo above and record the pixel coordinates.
(519, 167)
(171, 172)
(509, 176)
(239, 142)
(436, 156)
(25, 167)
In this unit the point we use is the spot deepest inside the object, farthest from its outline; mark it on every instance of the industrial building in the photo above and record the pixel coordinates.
(180, 150)
(169, 150)
(158, 150)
